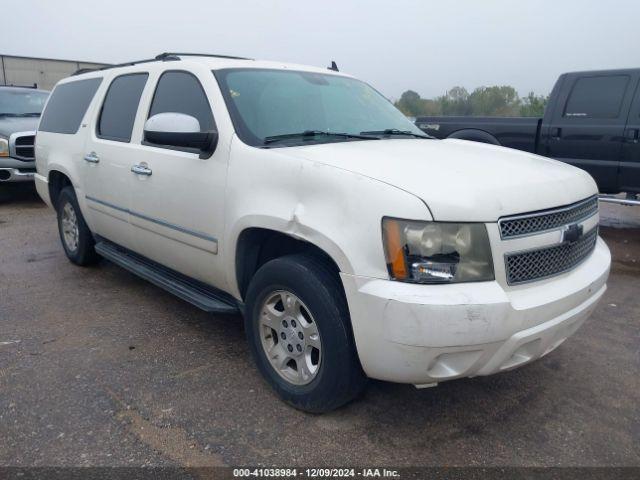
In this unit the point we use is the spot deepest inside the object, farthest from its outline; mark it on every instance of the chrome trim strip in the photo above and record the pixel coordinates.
(157, 221)
(542, 213)
(12, 145)
(107, 204)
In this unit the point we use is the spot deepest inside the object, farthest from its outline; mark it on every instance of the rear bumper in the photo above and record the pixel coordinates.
(424, 334)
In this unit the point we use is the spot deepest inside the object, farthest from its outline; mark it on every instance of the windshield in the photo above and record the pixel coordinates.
(19, 102)
(299, 108)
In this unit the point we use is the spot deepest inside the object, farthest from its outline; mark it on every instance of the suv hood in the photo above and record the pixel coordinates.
(9, 125)
(457, 179)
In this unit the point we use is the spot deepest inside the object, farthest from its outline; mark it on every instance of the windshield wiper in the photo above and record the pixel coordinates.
(315, 133)
(395, 131)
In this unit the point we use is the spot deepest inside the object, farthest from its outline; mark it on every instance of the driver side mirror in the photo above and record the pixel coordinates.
(179, 130)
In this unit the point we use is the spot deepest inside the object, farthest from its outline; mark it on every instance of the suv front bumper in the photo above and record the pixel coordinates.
(425, 334)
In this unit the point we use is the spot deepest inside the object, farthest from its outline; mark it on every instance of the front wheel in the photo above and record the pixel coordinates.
(297, 325)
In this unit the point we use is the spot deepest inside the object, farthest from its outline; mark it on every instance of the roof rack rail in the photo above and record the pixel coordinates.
(80, 71)
(163, 57)
(35, 85)
(126, 64)
(176, 55)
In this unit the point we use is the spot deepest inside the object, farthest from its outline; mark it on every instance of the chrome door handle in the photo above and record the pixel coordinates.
(141, 169)
(92, 157)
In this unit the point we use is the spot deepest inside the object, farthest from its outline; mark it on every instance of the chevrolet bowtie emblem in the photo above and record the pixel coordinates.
(572, 233)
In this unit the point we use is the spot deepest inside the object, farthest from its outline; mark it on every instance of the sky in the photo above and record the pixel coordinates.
(427, 46)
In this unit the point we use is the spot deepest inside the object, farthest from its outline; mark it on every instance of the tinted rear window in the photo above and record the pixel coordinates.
(597, 97)
(120, 107)
(67, 106)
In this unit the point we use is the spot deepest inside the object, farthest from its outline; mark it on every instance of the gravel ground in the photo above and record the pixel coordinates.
(98, 367)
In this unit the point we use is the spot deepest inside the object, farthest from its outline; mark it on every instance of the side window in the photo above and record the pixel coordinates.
(67, 105)
(181, 92)
(597, 97)
(120, 107)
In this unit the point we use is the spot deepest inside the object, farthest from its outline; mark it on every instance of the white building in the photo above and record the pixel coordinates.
(43, 72)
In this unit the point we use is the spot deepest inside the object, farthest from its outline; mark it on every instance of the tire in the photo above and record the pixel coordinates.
(338, 377)
(71, 226)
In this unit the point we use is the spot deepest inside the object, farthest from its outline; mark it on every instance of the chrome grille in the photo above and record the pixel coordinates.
(22, 146)
(546, 220)
(545, 262)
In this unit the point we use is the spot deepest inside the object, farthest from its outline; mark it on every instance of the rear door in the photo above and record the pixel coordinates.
(108, 157)
(629, 174)
(588, 124)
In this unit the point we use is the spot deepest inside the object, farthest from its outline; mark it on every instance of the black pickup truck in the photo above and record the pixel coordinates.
(592, 121)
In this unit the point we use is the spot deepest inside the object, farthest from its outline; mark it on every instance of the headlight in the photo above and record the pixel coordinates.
(4, 147)
(436, 252)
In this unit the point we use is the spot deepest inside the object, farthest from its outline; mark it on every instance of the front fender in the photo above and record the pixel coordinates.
(336, 210)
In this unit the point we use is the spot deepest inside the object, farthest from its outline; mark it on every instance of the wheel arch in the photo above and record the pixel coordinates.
(475, 135)
(57, 180)
(257, 245)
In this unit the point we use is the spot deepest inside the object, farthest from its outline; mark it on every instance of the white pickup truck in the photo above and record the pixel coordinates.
(353, 244)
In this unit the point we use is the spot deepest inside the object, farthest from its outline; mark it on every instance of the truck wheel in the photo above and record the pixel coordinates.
(297, 325)
(75, 235)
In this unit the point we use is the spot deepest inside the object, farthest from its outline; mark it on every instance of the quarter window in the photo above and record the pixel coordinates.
(120, 107)
(67, 105)
(181, 92)
(597, 97)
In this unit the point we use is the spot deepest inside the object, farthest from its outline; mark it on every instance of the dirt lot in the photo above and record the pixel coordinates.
(98, 367)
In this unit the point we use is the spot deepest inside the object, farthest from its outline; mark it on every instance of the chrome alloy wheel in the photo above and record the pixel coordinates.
(70, 230)
(290, 337)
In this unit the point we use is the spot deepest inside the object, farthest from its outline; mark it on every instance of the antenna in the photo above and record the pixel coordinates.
(333, 66)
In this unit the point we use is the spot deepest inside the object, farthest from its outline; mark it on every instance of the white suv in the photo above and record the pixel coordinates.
(354, 245)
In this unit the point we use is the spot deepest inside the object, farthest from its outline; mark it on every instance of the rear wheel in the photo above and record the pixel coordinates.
(77, 239)
(297, 325)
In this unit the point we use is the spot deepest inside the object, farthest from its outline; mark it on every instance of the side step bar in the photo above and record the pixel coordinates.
(197, 293)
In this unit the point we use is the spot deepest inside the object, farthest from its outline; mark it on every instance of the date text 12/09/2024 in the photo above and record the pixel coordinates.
(316, 472)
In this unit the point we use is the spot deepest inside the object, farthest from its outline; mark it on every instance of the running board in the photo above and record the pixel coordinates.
(197, 293)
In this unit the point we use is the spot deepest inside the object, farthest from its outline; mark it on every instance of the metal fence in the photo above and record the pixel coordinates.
(42, 72)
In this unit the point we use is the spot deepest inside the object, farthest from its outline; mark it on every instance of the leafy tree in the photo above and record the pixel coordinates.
(533, 105)
(431, 107)
(455, 102)
(410, 103)
(487, 101)
(499, 101)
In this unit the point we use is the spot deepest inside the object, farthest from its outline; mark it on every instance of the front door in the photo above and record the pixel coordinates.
(177, 205)
(587, 127)
(629, 174)
(108, 156)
